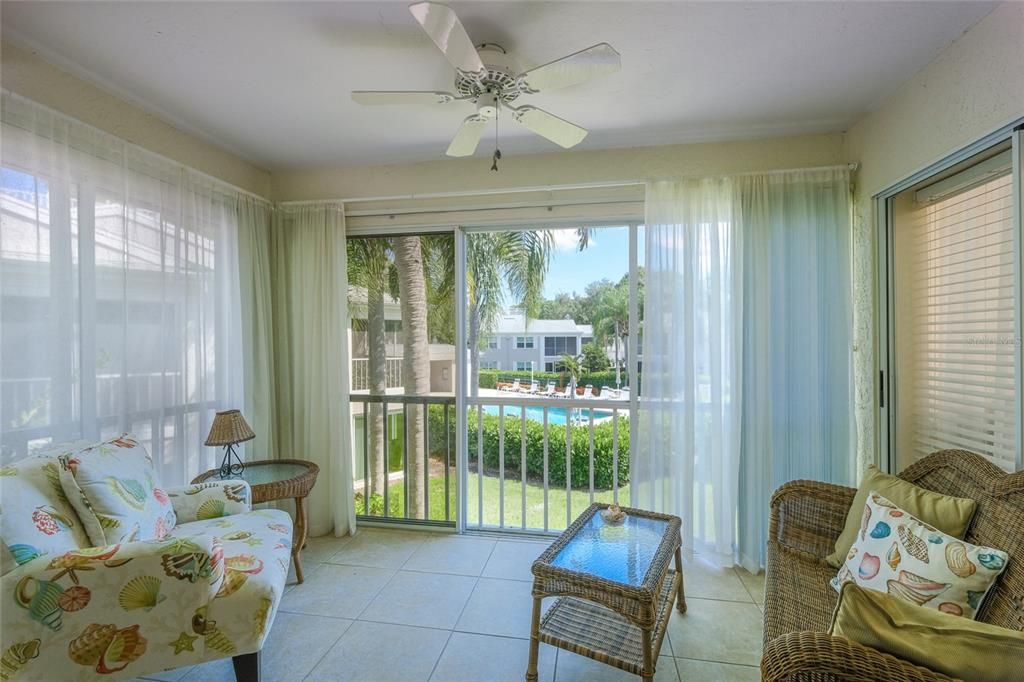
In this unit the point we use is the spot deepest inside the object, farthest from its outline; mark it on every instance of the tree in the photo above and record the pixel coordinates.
(612, 322)
(412, 290)
(369, 267)
(594, 358)
(571, 366)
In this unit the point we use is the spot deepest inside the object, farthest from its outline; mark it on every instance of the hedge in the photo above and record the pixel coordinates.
(489, 378)
(580, 471)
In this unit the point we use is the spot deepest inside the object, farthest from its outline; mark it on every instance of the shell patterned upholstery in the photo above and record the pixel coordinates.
(807, 518)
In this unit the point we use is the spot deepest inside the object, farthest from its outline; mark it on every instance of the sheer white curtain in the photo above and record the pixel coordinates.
(118, 293)
(747, 351)
(686, 461)
(798, 414)
(310, 315)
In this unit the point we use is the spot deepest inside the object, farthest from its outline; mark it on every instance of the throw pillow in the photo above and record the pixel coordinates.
(907, 558)
(116, 492)
(36, 517)
(949, 514)
(960, 648)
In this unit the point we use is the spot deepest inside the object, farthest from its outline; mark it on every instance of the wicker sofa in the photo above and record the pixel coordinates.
(806, 519)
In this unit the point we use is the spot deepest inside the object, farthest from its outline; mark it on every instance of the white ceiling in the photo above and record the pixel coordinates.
(270, 81)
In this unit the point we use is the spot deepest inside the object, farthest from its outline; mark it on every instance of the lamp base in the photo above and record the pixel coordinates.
(231, 466)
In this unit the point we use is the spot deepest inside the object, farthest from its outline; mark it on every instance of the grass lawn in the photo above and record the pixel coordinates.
(513, 490)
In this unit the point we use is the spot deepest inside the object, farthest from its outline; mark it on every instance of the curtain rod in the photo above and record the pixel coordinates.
(156, 155)
(541, 188)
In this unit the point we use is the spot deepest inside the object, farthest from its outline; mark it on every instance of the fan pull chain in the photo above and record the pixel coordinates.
(497, 152)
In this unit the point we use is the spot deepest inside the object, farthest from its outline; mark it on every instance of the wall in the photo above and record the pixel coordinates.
(973, 87)
(560, 168)
(25, 73)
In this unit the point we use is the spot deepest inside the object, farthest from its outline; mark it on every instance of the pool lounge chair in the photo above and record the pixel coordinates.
(564, 393)
(514, 386)
(588, 392)
(549, 389)
(533, 388)
(609, 393)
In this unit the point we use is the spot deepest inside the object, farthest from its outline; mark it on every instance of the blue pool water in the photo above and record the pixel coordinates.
(556, 415)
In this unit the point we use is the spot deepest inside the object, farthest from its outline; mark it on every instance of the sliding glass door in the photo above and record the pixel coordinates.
(953, 342)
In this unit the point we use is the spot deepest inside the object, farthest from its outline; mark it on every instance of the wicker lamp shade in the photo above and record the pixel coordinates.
(229, 427)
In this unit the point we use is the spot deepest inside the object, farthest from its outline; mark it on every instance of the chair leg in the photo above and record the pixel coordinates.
(247, 667)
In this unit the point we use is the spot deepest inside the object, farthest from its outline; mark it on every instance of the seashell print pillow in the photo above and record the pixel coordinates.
(898, 554)
(116, 492)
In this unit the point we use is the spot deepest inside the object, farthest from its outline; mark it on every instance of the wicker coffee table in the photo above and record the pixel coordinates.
(615, 586)
(279, 479)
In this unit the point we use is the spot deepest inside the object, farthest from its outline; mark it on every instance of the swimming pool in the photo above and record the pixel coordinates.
(556, 415)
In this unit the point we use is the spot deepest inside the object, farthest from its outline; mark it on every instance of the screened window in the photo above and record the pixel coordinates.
(524, 366)
(492, 342)
(560, 345)
(524, 342)
(956, 343)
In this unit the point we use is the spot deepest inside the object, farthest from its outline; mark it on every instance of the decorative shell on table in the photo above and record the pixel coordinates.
(613, 515)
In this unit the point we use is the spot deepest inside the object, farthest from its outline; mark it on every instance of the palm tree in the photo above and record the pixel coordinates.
(369, 267)
(611, 321)
(412, 291)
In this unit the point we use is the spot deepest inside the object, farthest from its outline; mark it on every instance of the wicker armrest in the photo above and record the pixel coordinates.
(808, 516)
(819, 656)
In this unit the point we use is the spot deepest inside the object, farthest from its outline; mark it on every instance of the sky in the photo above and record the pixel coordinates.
(606, 257)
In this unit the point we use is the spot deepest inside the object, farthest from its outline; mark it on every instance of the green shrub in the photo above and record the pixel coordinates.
(489, 378)
(580, 449)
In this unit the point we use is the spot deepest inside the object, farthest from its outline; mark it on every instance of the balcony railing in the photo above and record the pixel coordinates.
(411, 459)
(575, 452)
(361, 373)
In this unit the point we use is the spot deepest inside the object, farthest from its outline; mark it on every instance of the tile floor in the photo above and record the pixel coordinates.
(406, 606)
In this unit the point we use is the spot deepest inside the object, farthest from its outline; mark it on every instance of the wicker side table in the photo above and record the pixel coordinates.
(279, 479)
(615, 589)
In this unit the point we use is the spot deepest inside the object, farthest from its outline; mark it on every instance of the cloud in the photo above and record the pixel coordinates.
(567, 240)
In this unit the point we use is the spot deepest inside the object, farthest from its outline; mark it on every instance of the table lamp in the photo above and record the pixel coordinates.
(228, 429)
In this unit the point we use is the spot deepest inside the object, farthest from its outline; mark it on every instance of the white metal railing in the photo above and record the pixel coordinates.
(544, 485)
(361, 373)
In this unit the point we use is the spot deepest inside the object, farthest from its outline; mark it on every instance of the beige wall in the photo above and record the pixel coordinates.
(973, 87)
(24, 72)
(560, 168)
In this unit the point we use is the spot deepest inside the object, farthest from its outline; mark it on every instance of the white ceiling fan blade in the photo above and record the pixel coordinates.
(468, 136)
(596, 60)
(375, 97)
(445, 29)
(549, 126)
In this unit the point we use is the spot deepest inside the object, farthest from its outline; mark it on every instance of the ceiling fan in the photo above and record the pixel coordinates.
(488, 77)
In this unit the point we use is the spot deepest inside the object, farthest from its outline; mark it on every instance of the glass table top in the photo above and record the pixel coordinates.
(255, 474)
(621, 553)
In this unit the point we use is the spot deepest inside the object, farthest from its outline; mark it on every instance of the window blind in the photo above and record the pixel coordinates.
(960, 383)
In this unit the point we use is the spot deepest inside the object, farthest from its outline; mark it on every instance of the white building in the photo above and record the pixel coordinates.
(519, 344)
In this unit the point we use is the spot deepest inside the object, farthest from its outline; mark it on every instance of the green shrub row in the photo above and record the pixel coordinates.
(489, 378)
(604, 456)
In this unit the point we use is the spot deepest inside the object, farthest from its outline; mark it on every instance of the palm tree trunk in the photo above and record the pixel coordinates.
(415, 360)
(378, 375)
(474, 350)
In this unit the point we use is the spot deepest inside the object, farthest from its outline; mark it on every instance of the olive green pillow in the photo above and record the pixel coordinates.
(949, 514)
(952, 645)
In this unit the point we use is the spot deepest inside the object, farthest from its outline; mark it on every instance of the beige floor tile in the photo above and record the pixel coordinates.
(338, 591)
(322, 548)
(215, 671)
(571, 667)
(168, 675)
(478, 658)
(381, 652)
(308, 569)
(754, 585)
(704, 579)
(498, 607)
(296, 643)
(512, 560)
(699, 671)
(722, 631)
(424, 599)
(379, 548)
(458, 555)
